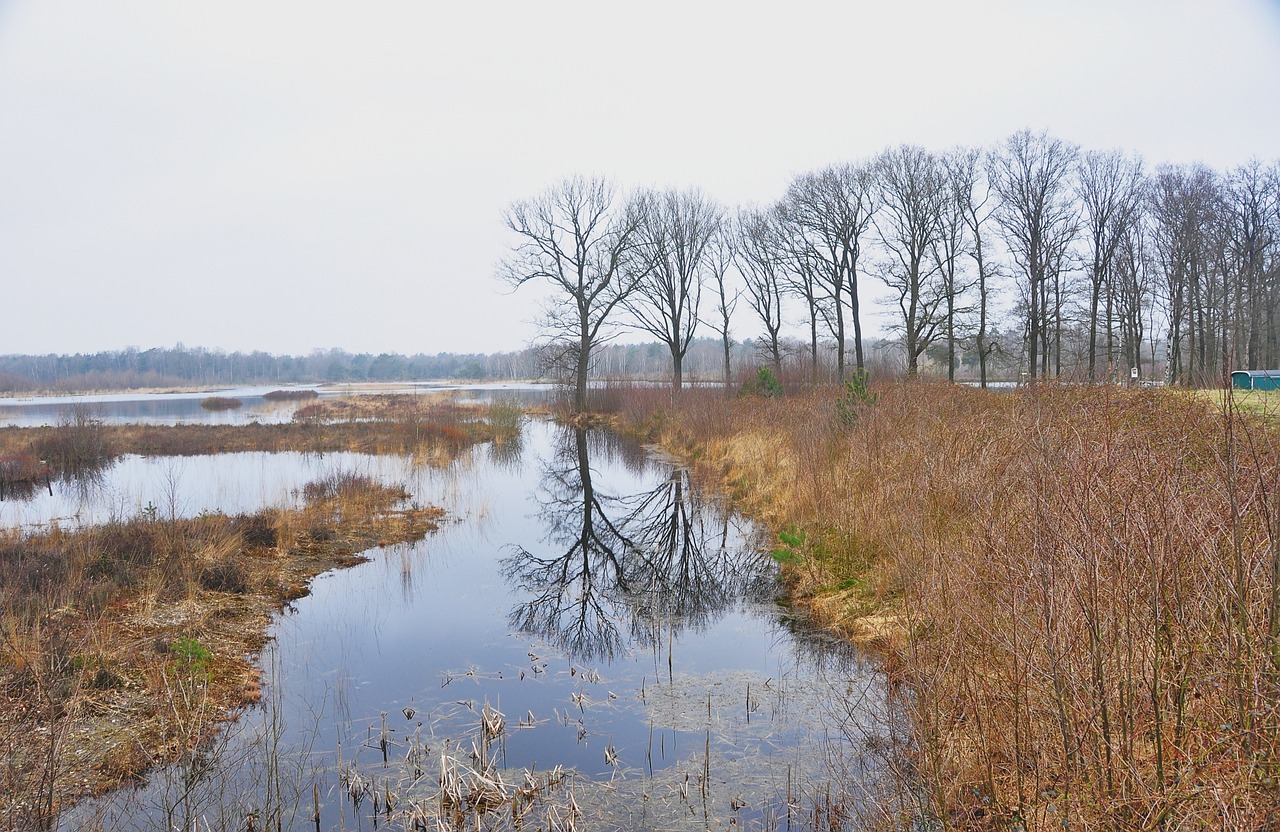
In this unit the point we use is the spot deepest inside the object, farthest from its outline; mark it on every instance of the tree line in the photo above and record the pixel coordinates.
(180, 365)
(1031, 252)
(133, 368)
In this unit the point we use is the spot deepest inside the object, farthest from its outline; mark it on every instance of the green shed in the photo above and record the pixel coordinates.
(1255, 380)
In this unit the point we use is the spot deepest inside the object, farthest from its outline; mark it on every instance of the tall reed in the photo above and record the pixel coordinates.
(1085, 583)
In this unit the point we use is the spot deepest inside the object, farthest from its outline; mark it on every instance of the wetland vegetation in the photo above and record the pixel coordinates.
(124, 644)
(1079, 586)
(1070, 595)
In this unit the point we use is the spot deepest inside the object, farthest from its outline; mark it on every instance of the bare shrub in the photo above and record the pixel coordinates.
(77, 444)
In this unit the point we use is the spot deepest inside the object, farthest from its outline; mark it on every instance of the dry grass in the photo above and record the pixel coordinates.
(1079, 586)
(221, 403)
(427, 427)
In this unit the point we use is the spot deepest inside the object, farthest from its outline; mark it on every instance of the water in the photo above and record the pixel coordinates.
(184, 408)
(620, 619)
(186, 486)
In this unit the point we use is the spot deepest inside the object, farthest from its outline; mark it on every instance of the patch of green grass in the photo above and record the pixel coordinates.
(1254, 402)
(851, 582)
(793, 541)
(190, 656)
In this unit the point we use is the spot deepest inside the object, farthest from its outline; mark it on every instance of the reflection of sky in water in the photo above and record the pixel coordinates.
(426, 626)
(184, 486)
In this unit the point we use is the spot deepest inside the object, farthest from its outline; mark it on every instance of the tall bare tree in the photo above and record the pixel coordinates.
(1252, 203)
(1110, 186)
(913, 191)
(676, 230)
(580, 238)
(1133, 292)
(971, 196)
(803, 278)
(758, 257)
(1184, 206)
(720, 257)
(1031, 175)
(829, 211)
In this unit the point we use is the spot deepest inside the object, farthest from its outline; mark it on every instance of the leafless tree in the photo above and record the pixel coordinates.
(971, 196)
(1184, 205)
(583, 240)
(829, 211)
(757, 255)
(1252, 204)
(720, 257)
(1110, 186)
(913, 191)
(1133, 292)
(1031, 176)
(802, 277)
(676, 232)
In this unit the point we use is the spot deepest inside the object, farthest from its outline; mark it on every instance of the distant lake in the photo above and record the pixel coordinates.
(184, 408)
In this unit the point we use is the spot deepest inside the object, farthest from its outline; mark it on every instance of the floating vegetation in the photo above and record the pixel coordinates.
(220, 403)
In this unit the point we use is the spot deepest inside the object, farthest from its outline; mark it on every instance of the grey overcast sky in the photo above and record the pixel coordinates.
(286, 175)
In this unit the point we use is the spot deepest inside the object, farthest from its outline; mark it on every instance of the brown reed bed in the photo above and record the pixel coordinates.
(291, 395)
(1079, 587)
(128, 644)
(221, 403)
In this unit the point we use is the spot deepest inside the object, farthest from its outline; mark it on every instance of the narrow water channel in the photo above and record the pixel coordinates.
(591, 642)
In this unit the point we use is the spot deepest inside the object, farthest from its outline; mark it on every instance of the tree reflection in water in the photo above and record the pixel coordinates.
(648, 564)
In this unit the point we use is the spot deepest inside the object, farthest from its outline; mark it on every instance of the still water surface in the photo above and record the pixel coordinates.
(184, 408)
(622, 621)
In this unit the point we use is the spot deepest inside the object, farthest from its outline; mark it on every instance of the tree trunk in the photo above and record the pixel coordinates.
(728, 377)
(584, 362)
(857, 321)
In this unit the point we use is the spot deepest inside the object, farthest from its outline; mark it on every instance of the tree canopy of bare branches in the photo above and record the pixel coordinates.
(1031, 175)
(583, 240)
(676, 231)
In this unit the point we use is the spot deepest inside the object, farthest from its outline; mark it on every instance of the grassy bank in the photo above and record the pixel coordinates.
(1078, 587)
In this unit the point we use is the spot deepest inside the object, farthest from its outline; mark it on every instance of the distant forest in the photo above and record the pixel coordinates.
(179, 366)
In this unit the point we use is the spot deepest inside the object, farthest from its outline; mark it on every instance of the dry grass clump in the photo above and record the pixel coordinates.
(1086, 585)
(220, 403)
(290, 395)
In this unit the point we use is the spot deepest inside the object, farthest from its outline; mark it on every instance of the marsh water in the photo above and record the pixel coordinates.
(588, 625)
(185, 408)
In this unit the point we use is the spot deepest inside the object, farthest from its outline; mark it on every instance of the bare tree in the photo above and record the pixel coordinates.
(1133, 292)
(579, 238)
(758, 257)
(913, 191)
(829, 211)
(1184, 205)
(720, 257)
(971, 197)
(1252, 203)
(677, 230)
(1110, 186)
(802, 278)
(1031, 173)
